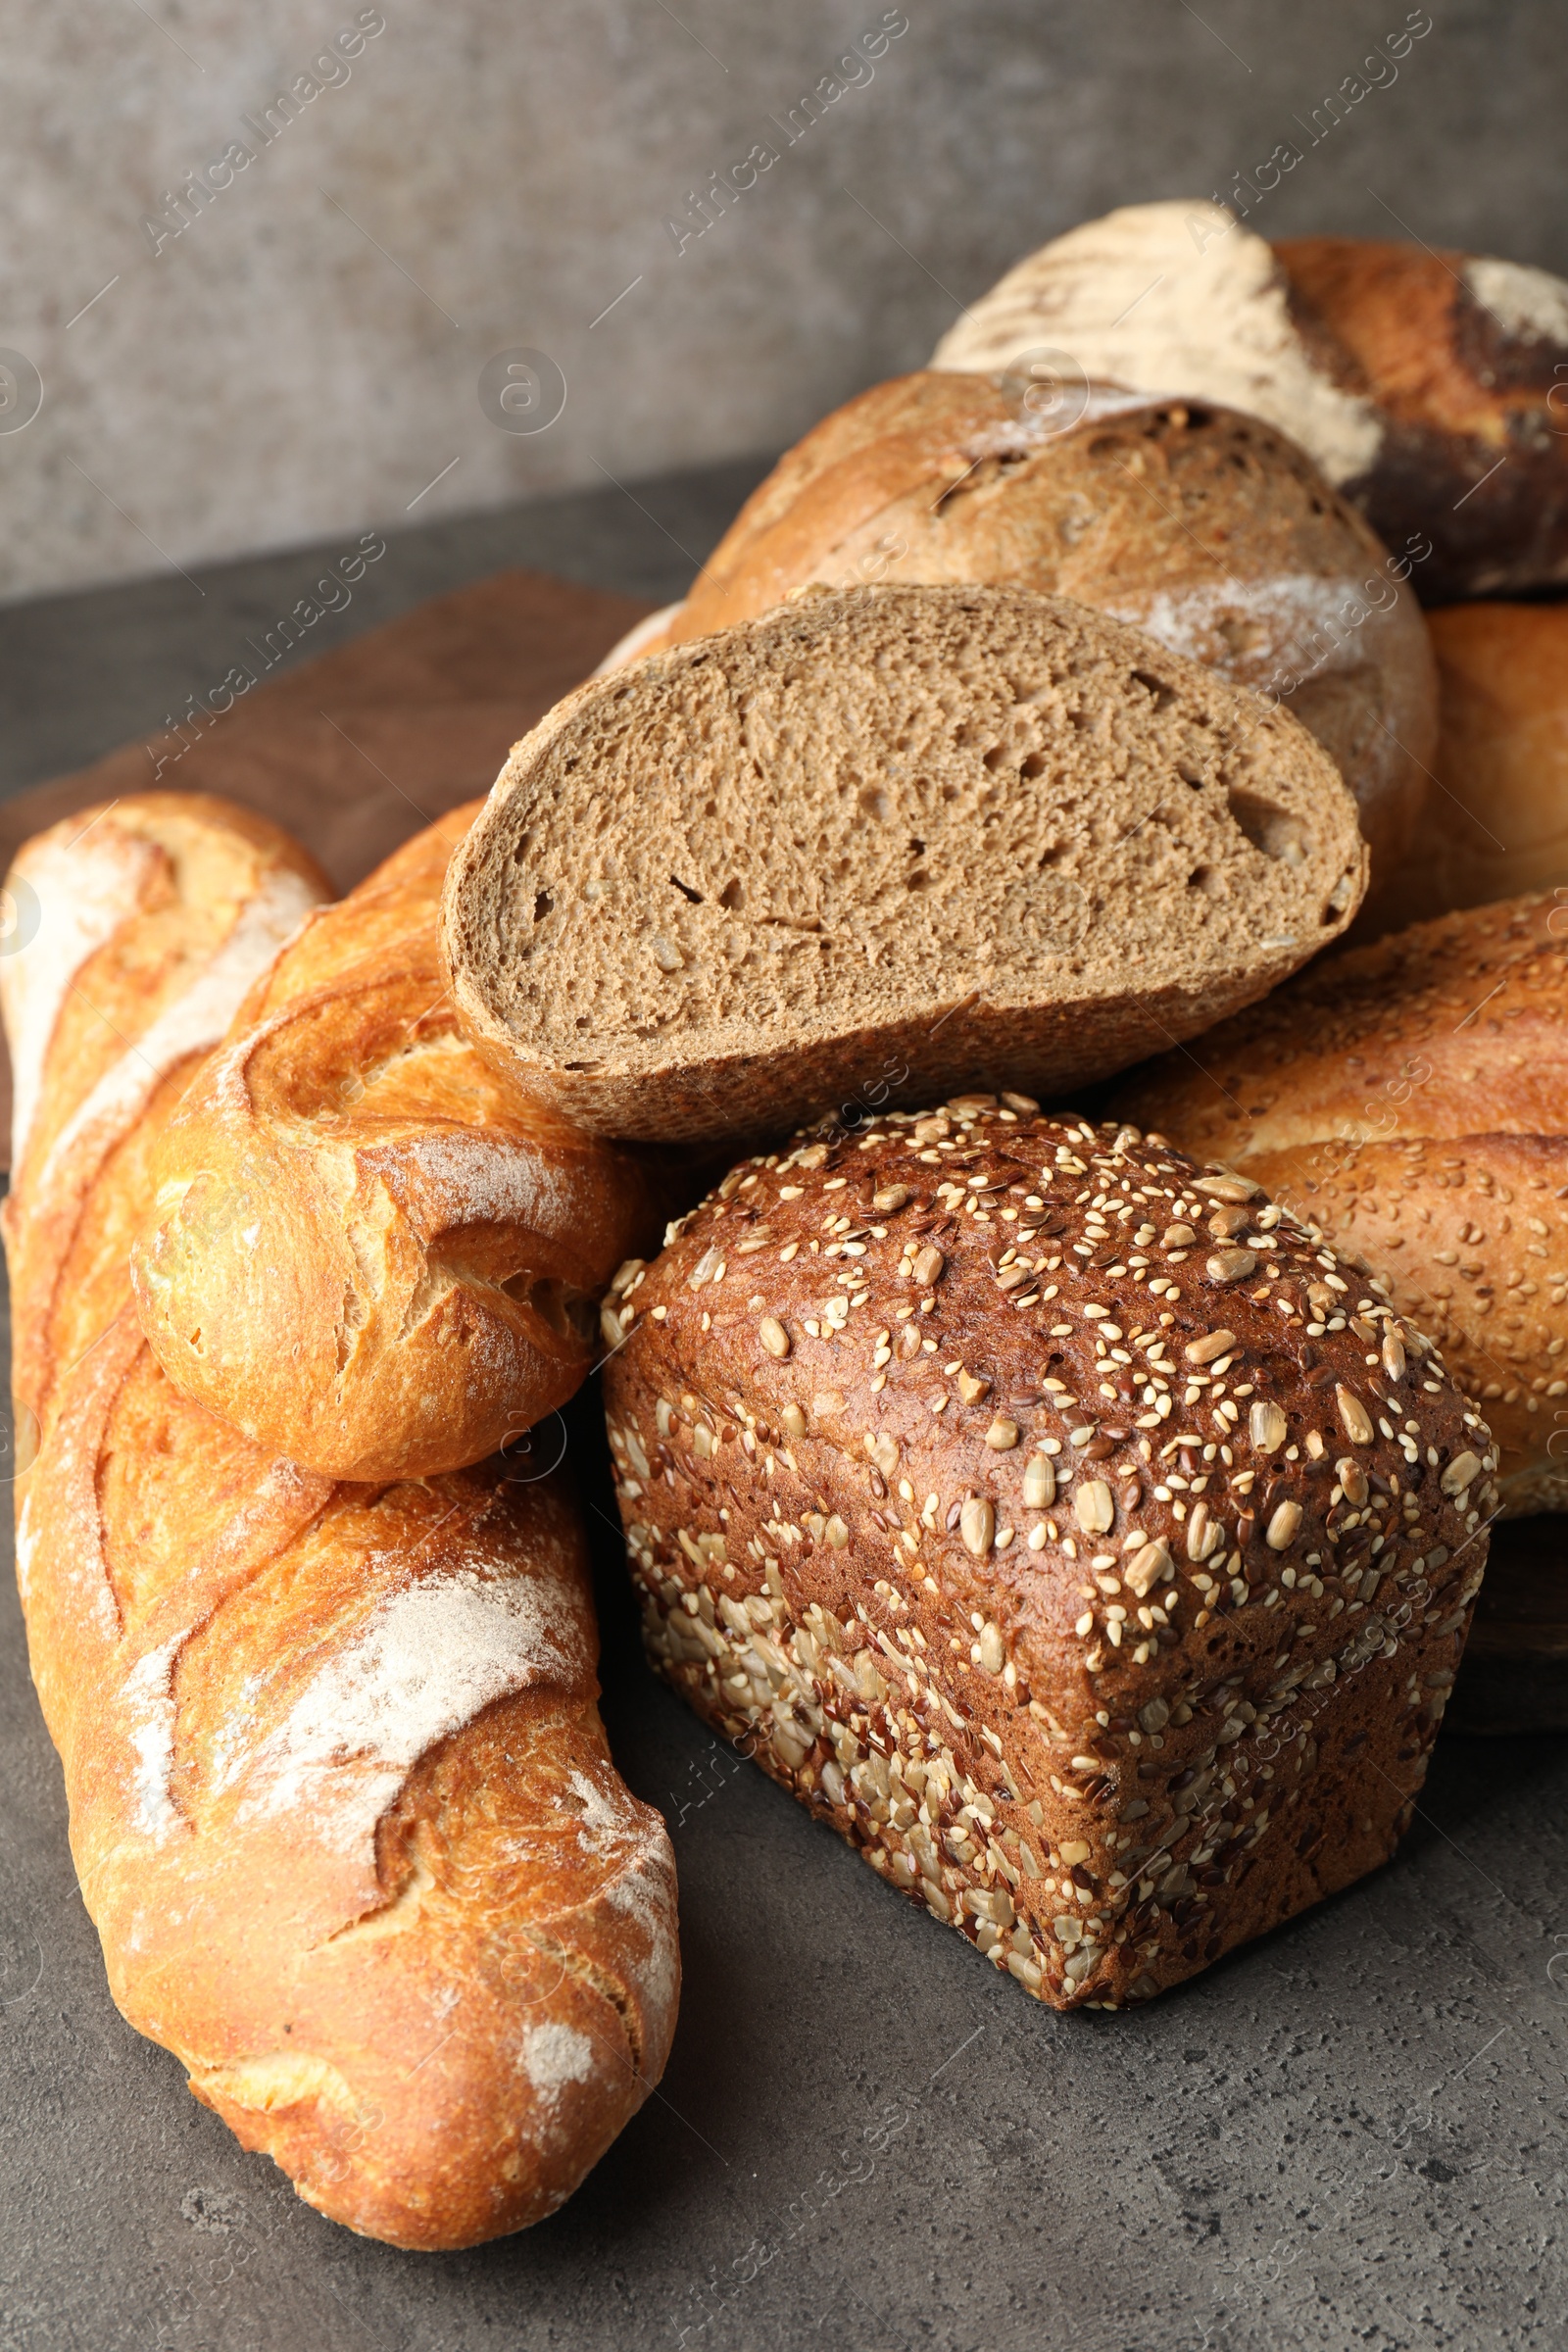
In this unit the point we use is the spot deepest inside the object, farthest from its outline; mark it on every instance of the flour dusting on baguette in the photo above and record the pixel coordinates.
(432, 1656)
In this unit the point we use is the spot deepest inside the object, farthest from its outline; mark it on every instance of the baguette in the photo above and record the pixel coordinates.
(368, 1250)
(341, 1805)
(1425, 384)
(1207, 528)
(1408, 1098)
(1035, 1544)
(951, 833)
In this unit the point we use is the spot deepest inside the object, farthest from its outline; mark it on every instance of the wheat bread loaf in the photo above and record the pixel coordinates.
(958, 833)
(1205, 527)
(1410, 1098)
(1086, 1543)
(1495, 821)
(1426, 384)
(341, 1805)
(368, 1250)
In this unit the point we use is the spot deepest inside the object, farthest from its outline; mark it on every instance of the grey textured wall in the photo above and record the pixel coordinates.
(304, 357)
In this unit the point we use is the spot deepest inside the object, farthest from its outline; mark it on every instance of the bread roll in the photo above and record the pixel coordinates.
(1207, 528)
(341, 1805)
(1497, 821)
(894, 837)
(1409, 1100)
(368, 1250)
(1086, 1544)
(1428, 386)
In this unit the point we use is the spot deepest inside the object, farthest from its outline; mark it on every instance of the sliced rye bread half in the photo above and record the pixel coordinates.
(890, 842)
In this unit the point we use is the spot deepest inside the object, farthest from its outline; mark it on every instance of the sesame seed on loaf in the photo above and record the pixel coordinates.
(987, 835)
(1057, 1518)
(1411, 1099)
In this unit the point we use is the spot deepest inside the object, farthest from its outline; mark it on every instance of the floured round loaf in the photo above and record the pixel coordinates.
(895, 838)
(1204, 527)
(1411, 1098)
(1081, 1539)
(1427, 385)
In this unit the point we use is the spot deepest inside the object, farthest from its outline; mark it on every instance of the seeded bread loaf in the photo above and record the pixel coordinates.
(1427, 385)
(1205, 528)
(1088, 1546)
(341, 1805)
(368, 1250)
(1497, 821)
(957, 832)
(1410, 1098)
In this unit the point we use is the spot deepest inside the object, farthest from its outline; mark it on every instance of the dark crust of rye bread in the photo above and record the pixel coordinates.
(887, 1514)
(975, 833)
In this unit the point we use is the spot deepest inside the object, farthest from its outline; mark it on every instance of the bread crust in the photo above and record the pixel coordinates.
(1205, 527)
(1134, 842)
(341, 1805)
(369, 1249)
(1423, 383)
(1407, 1098)
(1460, 355)
(1076, 1644)
(1496, 823)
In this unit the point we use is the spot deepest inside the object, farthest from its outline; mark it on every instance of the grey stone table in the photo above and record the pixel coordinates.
(1350, 2134)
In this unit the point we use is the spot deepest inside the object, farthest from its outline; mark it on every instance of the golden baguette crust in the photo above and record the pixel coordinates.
(370, 1251)
(341, 1804)
(959, 834)
(143, 923)
(1205, 527)
(1409, 1098)
(1083, 1540)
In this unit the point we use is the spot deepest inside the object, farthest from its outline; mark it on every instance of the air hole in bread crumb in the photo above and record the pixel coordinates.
(686, 890)
(541, 904)
(1276, 831)
(1163, 694)
(1034, 765)
(732, 898)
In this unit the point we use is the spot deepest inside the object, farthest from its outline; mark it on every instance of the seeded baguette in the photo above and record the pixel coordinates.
(1408, 1098)
(342, 1809)
(1089, 1546)
(963, 833)
(1207, 528)
(367, 1251)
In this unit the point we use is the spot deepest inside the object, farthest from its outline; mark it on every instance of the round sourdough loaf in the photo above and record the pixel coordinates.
(1410, 1098)
(1064, 1524)
(1496, 823)
(1430, 387)
(902, 837)
(1208, 528)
